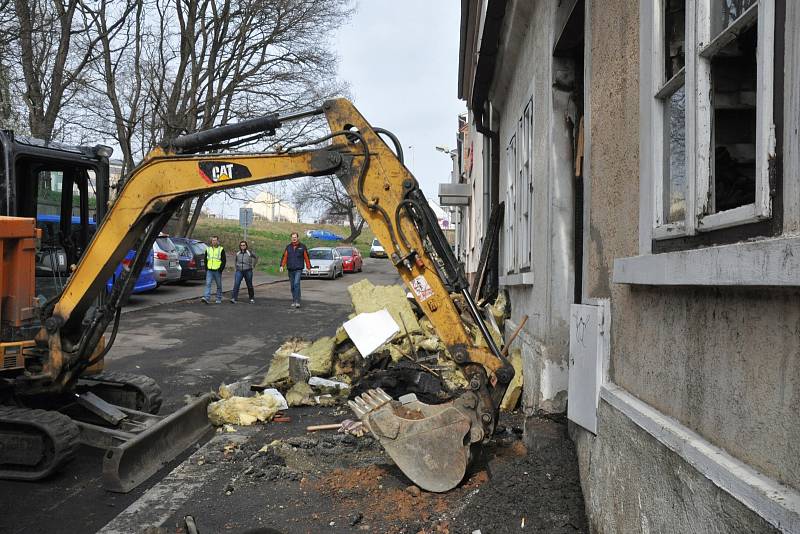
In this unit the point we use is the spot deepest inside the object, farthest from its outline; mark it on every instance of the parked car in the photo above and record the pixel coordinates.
(326, 262)
(51, 259)
(166, 264)
(146, 280)
(376, 249)
(352, 262)
(325, 235)
(192, 257)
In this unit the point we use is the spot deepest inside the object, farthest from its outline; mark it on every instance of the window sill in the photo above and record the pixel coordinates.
(768, 262)
(518, 279)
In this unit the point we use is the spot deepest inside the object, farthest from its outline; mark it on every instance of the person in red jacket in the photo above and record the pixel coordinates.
(295, 257)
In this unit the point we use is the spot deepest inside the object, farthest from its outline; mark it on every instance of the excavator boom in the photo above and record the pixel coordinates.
(433, 450)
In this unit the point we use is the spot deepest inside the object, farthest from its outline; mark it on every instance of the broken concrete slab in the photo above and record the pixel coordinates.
(278, 373)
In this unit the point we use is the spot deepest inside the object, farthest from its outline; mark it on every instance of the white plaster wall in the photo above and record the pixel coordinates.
(525, 69)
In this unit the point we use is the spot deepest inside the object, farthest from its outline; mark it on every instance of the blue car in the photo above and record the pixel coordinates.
(325, 235)
(146, 282)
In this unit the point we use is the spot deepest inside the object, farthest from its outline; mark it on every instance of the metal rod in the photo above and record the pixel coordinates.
(476, 314)
(514, 335)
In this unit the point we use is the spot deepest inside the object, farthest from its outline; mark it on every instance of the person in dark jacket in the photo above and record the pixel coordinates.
(215, 264)
(245, 262)
(295, 257)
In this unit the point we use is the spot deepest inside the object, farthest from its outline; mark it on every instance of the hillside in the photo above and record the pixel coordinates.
(268, 239)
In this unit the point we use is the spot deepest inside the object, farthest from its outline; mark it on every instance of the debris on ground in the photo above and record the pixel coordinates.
(368, 331)
(278, 372)
(407, 356)
(236, 410)
(514, 391)
(368, 298)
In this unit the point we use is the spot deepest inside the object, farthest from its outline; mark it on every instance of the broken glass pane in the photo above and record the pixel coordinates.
(724, 12)
(675, 201)
(674, 36)
(733, 77)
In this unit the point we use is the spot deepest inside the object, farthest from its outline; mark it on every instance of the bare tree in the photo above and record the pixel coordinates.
(328, 196)
(52, 68)
(209, 63)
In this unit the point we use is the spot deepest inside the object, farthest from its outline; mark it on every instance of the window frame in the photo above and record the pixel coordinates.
(699, 51)
(518, 218)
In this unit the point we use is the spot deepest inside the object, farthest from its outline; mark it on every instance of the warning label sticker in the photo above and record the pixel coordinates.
(421, 288)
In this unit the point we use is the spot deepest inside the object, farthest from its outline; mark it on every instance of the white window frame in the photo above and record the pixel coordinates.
(696, 76)
(511, 207)
(519, 195)
(525, 190)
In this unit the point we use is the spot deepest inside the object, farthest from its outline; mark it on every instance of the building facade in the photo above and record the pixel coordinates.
(269, 207)
(647, 157)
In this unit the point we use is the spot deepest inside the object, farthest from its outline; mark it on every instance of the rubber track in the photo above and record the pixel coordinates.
(146, 386)
(60, 429)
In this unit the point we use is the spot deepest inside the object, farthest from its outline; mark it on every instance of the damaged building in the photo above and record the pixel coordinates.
(629, 173)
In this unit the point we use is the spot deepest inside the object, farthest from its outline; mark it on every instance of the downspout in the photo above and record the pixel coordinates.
(484, 75)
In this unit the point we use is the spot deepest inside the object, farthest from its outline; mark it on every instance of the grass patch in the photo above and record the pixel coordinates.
(268, 240)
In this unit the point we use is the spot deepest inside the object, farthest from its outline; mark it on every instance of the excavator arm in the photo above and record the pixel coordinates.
(433, 446)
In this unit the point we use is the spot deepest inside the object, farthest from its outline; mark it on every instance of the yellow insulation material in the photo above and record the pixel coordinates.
(369, 298)
(243, 410)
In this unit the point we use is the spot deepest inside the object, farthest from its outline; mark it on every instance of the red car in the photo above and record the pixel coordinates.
(351, 259)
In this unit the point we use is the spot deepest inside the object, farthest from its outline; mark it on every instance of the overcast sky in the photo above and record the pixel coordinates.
(400, 59)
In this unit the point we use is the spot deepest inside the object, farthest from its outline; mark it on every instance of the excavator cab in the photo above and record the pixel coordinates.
(65, 189)
(52, 198)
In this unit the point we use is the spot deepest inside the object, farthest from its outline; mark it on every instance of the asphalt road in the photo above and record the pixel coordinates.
(189, 348)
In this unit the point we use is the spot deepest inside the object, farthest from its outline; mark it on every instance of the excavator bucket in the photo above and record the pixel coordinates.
(144, 443)
(430, 444)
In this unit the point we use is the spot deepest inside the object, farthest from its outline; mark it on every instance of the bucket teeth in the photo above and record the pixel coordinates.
(368, 402)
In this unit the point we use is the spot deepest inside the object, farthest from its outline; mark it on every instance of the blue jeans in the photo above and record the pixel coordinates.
(237, 281)
(216, 276)
(294, 281)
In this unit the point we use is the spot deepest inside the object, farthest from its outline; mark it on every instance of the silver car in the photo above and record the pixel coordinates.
(166, 263)
(326, 262)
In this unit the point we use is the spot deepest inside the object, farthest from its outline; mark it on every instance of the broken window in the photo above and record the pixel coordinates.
(733, 82)
(713, 113)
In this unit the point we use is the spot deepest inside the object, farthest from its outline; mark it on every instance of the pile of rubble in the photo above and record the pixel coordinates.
(387, 342)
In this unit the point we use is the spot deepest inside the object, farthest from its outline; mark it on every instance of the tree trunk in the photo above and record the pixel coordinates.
(355, 231)
(198, 208)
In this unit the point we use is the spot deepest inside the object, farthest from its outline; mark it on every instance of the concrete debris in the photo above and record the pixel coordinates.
(411, 359)
(514, 391)
(278, 373)
(243, 410)
(298, 368)
(324, 383)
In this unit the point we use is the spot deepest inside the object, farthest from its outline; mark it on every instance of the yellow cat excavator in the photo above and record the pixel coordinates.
(55, 394)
